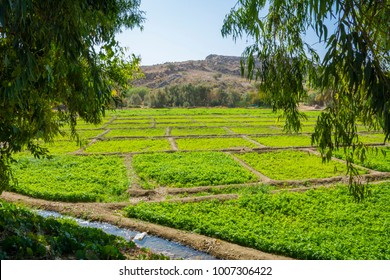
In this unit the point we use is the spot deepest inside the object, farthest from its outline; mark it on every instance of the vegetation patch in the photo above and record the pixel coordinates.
(129, 125)
(180, 124)
(213, 143)
(372, 138)
(147, 132)
(72, 178)
(84, 134)
(317, 224)
(198, 131)
(258, 130)
(128, 146)
(189, 169)
(292, 165)
(377, 159)
(285, 141)
(30, 236)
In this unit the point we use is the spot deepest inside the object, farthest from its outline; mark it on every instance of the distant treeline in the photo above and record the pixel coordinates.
(190, 95)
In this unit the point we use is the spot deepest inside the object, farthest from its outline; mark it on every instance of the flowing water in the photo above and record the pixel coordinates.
(159, 245)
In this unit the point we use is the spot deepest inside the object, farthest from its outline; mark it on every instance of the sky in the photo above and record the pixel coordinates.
(180, 30)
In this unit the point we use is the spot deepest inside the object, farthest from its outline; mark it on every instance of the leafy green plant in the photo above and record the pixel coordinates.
(189, 169)
(292, 165)
(133, 145)
(377, 159)
(213, 143)
(148, 132)
(285, 140)
(198, 131)
(317, 224)
(72, 178)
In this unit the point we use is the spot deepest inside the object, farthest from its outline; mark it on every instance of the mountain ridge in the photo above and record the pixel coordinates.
(217, 71)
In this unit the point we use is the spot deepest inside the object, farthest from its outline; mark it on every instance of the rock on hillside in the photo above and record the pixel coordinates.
(216, 70)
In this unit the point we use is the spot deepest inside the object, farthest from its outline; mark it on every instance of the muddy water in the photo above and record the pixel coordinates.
(171, 249)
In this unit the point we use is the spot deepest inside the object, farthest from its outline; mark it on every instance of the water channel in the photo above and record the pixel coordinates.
(158, 245)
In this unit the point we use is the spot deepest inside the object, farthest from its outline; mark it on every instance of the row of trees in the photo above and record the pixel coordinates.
(189, 95)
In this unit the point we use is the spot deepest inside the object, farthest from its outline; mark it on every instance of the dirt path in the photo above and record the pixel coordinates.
(103, 212)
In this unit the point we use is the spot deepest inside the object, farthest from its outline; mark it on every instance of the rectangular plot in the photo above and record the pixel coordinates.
(190, 169)
(72, 178)
(128, 146)
(184, 124)
(293, 165)
(213, 143)
(83, 134)
(372, 138)
(172, 120)
(198, 131)
(377, 159)
(129, 125)
(258, 130)
(131, 121)
(285, 141)
(148, 132)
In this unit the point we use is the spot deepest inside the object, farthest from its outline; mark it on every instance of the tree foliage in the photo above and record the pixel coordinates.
(355, 70)
(59, 60)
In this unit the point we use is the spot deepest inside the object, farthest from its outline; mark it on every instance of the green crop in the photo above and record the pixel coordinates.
(126, 146)
(292, 165)
(258, 130)
(317, 224)
(147, 132)
(72, 178)
(285, 140)
(213, 143)
(198, 131)
(129, 125)
(377, 159)
(189, 169)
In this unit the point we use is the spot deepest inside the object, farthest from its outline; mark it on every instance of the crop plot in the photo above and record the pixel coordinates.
(147, 132)
(128, 146)
(285, 140)
(129, 125)
(198, 131)
(372, 138)
(318, 224)
(377, 159)
(258, 130)
(63, 147)
(213, 143)
(133, 121)
(181, 124)
(83, 134)
(72, 178)
(292, 165)
(189, 169)
(172, 120)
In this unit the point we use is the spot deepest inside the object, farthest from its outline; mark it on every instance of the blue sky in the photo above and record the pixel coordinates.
(179, 30)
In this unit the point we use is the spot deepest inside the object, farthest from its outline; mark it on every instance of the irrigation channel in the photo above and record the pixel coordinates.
(159, 245)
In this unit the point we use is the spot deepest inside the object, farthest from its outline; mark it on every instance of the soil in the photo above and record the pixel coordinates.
(108, 212)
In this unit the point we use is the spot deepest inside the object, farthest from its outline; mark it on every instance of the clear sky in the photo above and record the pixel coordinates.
(180, 30)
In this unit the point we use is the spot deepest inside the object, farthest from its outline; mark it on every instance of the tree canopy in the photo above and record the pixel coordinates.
(59, 60)
(354, 72)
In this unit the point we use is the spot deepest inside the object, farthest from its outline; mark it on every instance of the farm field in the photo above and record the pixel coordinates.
(224, 173)
(190, 169)
(317, 224)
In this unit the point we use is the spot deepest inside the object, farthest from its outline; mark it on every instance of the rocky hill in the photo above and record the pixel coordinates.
(215, 71)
